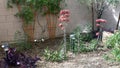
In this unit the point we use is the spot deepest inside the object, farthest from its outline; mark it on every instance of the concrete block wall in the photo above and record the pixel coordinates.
(80, 15)
(8, 23)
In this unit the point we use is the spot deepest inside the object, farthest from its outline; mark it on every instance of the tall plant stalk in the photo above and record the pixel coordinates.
(65, 42)
(64, 19)
(92, 16)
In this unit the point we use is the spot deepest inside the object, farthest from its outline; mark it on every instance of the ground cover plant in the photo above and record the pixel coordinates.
(113, 40)
(54, 55)
(17, 59)
(78, 42)
(114, 44)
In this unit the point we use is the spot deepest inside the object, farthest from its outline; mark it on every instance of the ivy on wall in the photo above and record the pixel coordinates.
(29, 10)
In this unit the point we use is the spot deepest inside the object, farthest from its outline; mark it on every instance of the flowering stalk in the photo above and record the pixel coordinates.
(65, 40)
(64, 19)
(100, 28)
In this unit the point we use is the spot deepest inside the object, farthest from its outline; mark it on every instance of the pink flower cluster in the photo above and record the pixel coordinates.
(64, 18)
(97, 25)
(97, 34)
(98, 21)
(101, 21)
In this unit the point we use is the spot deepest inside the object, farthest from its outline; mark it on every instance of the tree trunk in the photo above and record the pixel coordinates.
(92, 16)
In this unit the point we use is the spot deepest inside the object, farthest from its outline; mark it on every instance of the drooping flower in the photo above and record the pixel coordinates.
(62, 12)
(62, 28)
(67, 15)
(60, 25)
(63, 18)
(101, 21)
(97, 34)
(60, 19)
(97, 25)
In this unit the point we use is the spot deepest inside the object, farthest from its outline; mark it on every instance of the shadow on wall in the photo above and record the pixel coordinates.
(111, 15)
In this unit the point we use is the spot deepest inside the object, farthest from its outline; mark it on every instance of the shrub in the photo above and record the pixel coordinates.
(92, 45)
(53, 55)
(78, 41)
(114, 44)
(113, 55)
(81, 46)
(113, 40)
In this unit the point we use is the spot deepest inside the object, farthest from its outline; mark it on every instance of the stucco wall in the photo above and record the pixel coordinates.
(111, 15)
(80, 15)
(8, 23)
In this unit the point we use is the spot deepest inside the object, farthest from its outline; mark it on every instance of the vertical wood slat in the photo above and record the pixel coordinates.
(51, 24)
(29, 30)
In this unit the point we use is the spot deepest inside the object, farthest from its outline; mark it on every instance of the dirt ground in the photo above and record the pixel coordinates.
(88, 60)
(83, 60)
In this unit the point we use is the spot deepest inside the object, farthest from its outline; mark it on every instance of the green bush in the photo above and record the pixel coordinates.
(86, 33)
(26, 14)
(77, 46)
(92, 45)
(114, 44)
(86, 37)
(113, 55)
(113, 40)
(78, 41)
(83, 35)
(54, 56)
